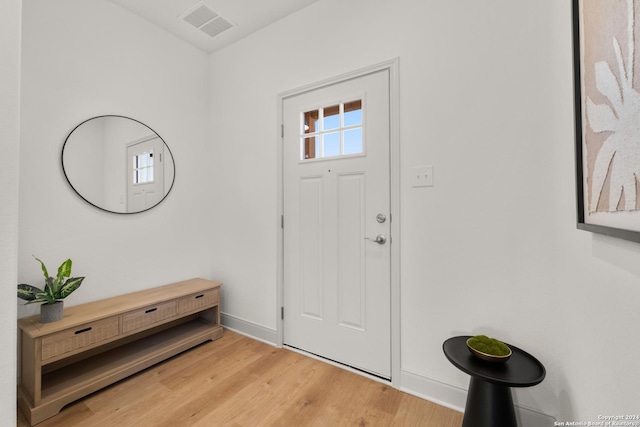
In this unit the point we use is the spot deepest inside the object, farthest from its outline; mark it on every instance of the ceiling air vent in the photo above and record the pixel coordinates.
(205, 19)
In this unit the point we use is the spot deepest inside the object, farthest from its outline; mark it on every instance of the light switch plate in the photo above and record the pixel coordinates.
(422, 176)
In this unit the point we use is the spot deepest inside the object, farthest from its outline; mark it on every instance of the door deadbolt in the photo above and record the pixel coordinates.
(381, 218)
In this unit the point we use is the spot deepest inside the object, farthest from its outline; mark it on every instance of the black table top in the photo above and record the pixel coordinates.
(521, 370)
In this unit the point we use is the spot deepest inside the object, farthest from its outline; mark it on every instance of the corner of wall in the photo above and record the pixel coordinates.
(249, 329)
(10, 46)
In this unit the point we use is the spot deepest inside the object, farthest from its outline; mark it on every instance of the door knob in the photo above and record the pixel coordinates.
(379, 239)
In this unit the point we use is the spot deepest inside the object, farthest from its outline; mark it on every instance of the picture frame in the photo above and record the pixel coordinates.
(606, 72)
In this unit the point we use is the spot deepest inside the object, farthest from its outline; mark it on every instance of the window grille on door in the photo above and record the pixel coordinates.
(143, 167)
(332, 131)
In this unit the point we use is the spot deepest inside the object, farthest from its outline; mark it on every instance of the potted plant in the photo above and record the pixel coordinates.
(55, 290)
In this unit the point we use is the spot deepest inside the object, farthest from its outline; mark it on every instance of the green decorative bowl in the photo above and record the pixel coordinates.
(487, 356)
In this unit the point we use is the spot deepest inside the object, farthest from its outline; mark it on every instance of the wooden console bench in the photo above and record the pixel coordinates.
(99, 343)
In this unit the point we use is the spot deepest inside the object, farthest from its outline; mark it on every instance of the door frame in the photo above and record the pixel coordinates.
(394, 169)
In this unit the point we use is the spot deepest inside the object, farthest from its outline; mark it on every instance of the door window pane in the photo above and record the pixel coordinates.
(311, 147)
(353, 113)
(310, 124)
(332, 117)
(331, 144)
(353, 141)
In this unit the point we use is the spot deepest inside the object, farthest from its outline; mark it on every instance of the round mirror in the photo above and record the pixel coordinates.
(118, 164)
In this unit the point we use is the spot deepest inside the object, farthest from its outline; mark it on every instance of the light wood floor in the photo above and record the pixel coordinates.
(237, 381)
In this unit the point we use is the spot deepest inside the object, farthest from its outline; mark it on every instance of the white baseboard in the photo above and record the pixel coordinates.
(532, 418)
(433, 391)
(249, 329)
(455, 398)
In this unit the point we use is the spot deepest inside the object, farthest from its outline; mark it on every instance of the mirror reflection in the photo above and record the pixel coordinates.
(118, 164)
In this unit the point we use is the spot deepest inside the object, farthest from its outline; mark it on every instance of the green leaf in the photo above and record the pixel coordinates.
(41, 298)
(64, 270)
(28, 292)
(44, 268)
(69, 286)
(49, 289)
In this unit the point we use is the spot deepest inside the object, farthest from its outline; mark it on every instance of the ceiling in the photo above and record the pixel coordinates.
(242, 16)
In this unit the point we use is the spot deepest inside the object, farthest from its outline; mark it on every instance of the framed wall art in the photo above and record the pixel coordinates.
(607, 116)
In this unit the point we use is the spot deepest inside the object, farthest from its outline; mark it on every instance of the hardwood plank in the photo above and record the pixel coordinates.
(174, 386)
(269, 395)
(237, 381)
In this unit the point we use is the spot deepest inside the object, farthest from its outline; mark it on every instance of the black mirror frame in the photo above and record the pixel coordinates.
(93, 204)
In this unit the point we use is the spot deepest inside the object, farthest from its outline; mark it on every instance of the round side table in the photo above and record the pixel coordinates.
(489, 401)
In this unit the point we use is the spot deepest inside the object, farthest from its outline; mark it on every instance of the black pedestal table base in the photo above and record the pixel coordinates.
(488, 405)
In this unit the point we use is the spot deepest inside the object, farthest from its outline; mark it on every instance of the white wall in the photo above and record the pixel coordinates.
(486, 98)
(10, 12)
(87, 58)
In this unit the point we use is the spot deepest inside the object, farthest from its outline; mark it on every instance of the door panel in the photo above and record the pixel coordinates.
(311, 246)
(336, 277)
(351, 246)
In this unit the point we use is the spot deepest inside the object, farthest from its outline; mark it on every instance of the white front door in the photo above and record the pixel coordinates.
(336, 178)
(145, 174)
